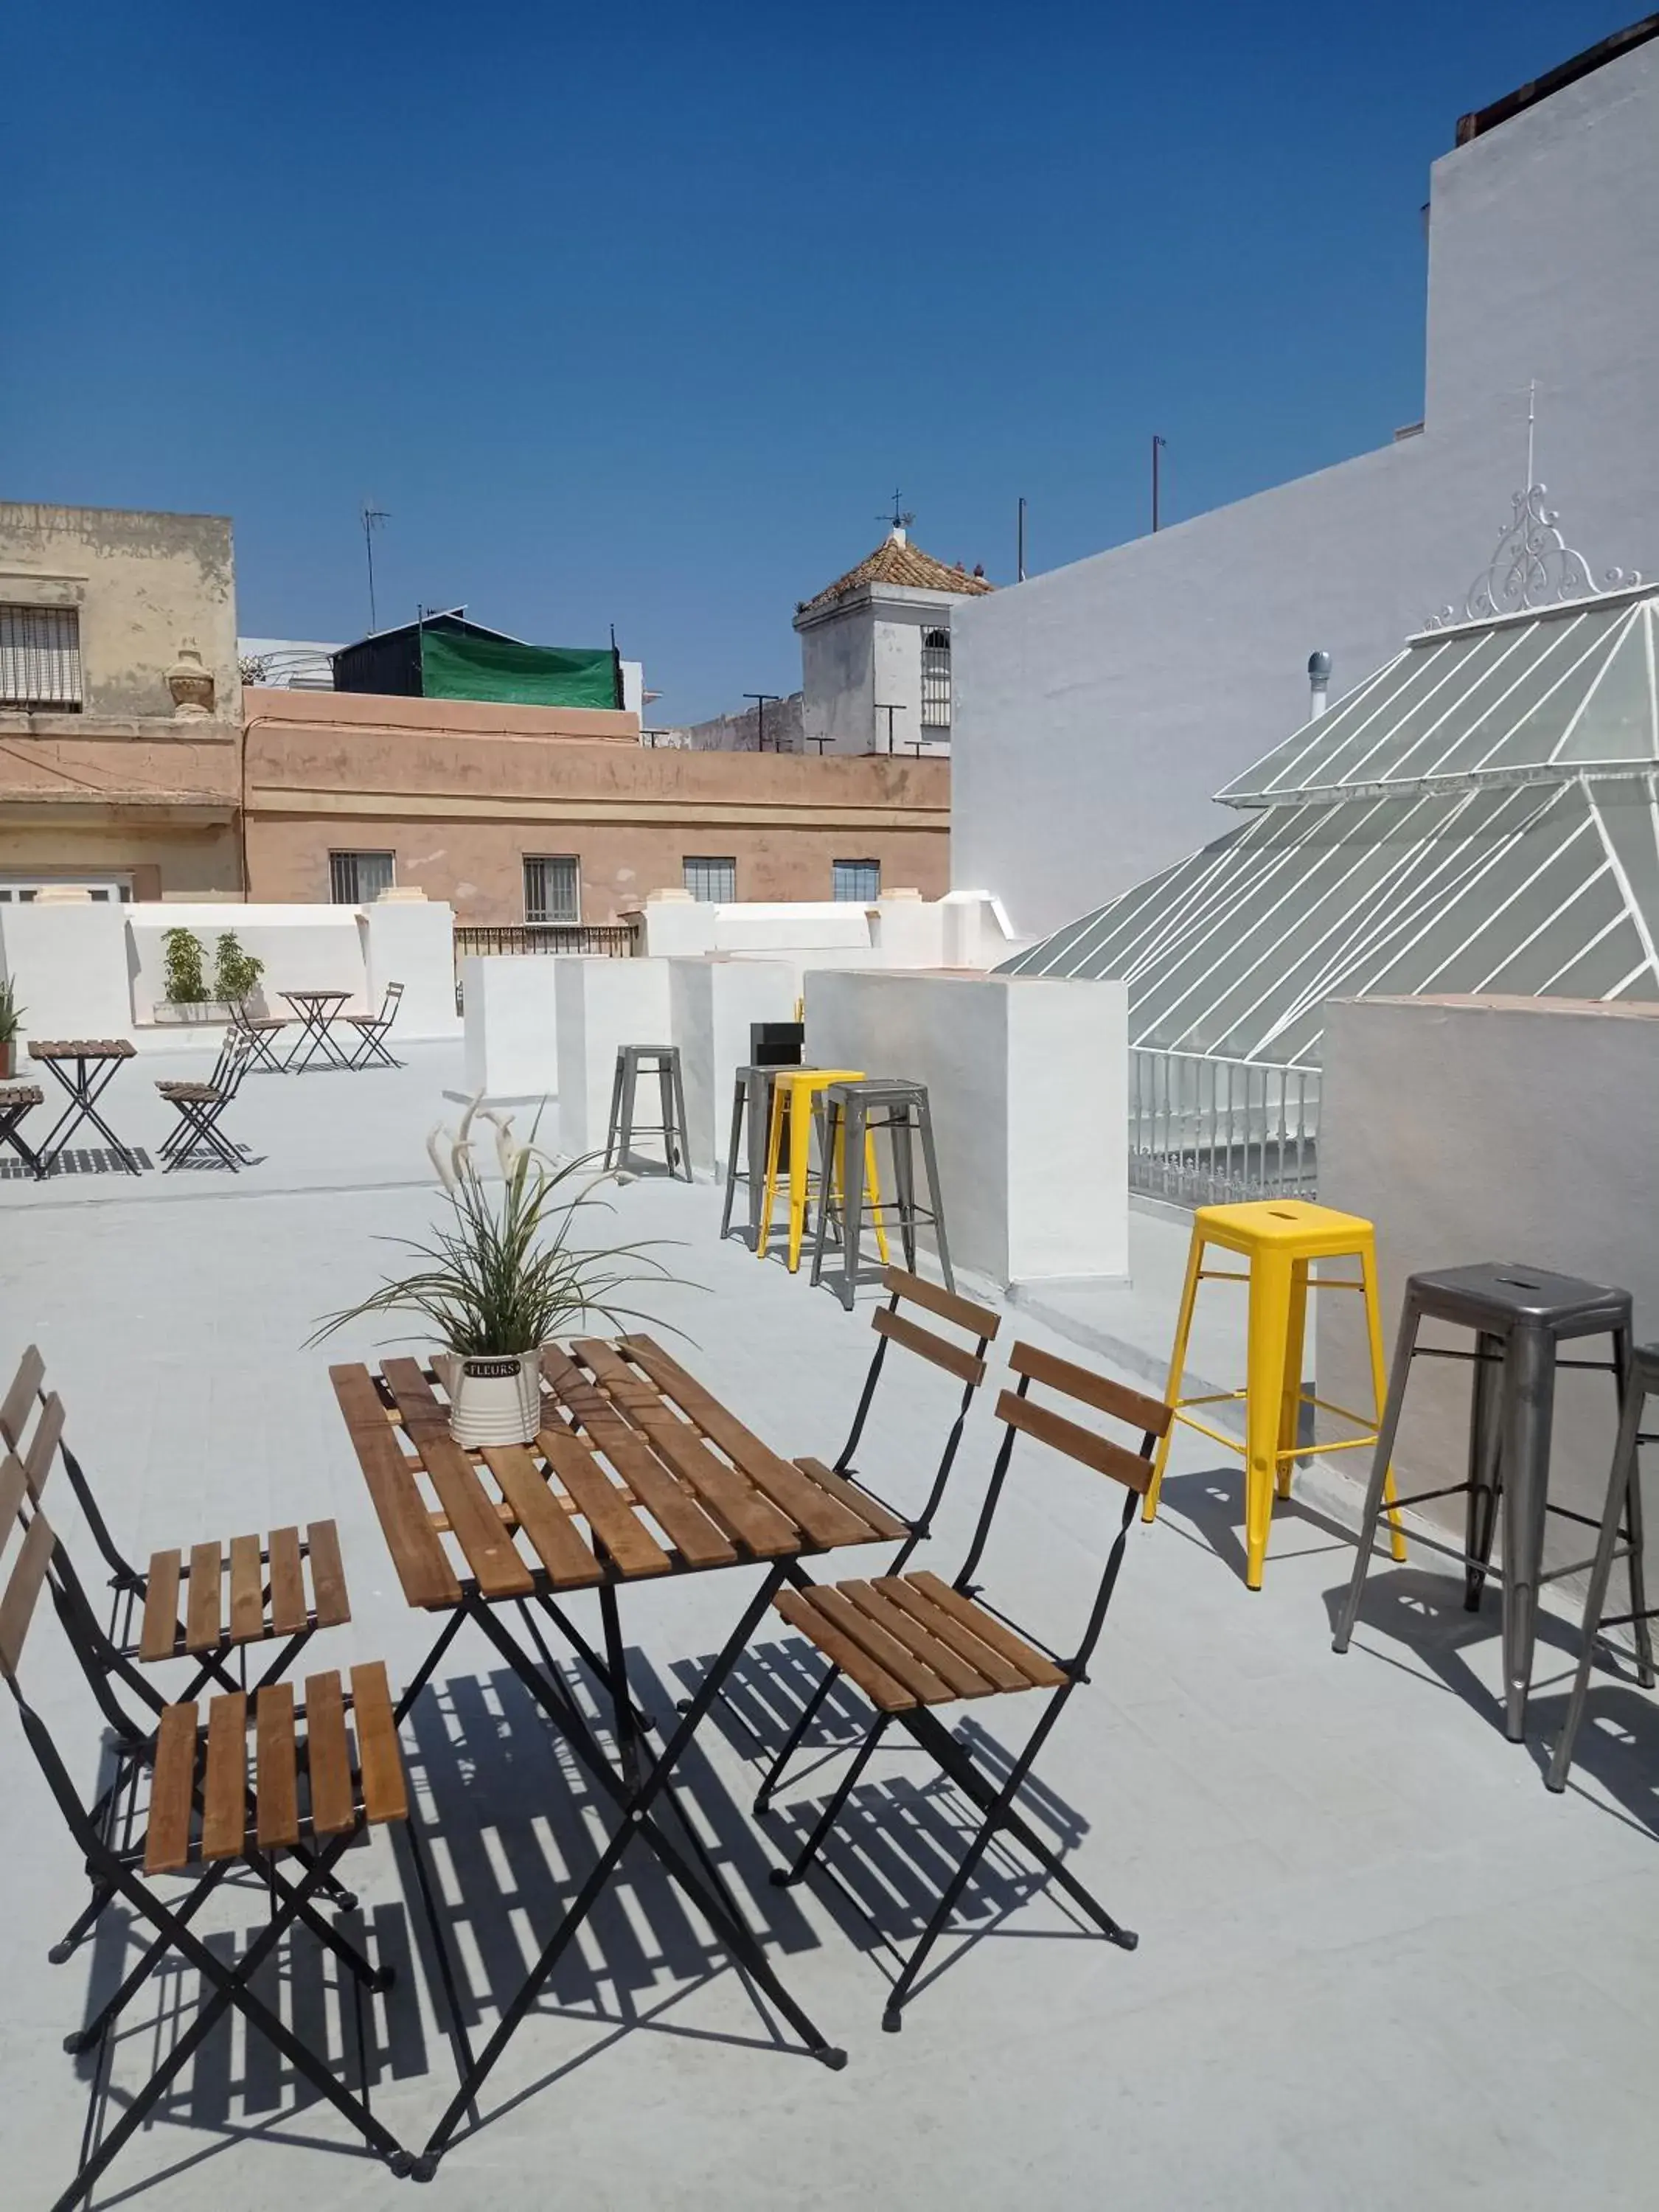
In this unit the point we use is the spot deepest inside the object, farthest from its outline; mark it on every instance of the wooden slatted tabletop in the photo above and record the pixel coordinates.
(638, 1470)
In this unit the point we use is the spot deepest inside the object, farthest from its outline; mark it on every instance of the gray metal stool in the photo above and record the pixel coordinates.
(1621, 1525)
(1520, 1315)
(662, 1061)
(751, 1114)
(849, 1112)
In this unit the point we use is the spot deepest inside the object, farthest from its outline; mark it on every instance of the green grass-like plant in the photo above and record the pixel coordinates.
(503, 1273)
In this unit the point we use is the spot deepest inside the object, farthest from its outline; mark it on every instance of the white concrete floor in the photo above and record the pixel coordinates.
(1379, 1964)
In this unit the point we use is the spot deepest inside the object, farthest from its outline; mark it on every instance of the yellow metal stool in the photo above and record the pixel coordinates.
(1281, 1238)
(794, 1091)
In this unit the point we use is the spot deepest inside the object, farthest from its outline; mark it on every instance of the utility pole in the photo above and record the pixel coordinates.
(763, 700)
(1159, 444)
(373, 516)
(1019, 576)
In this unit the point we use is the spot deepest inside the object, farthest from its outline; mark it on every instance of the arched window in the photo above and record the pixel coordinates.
(936, 679)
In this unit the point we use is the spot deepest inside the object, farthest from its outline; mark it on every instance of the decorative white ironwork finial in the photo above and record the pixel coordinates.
(1533, 566)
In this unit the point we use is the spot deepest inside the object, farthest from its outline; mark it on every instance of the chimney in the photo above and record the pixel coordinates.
(1319, 684)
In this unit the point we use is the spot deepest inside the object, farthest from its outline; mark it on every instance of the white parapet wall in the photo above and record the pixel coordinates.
(510, 1003)
(1509, 1129)
(711, 1005)
(967, 929)
(89, 969)
(600, 1004)
(1027, 1080)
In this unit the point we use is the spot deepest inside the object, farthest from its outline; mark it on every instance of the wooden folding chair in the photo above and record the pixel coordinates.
(892, 1327)
(233, 1597)
(912, 1643)
(372, 1031)
(264, 1033)
(311, 1798)
(200, 1106)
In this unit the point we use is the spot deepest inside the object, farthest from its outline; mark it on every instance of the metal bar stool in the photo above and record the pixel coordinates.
(1520, 1316)
(745, 1151)
(852, 1114)
(1280, 1239)
(1621, 1526)
(794, 1092)
(662, 1061)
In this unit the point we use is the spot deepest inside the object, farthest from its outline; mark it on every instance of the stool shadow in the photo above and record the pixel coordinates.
(1210, 1503)
(1423, 1611)
(1618, 1744)
(898, 1840)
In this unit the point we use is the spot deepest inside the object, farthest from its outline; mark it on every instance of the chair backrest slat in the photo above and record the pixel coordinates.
(1077, 1443)
(1149, 1415)
(978, 1321)
(17, 1605)
(25, 1385)
(42, 1445)
(950, 1356)
(14, 1487)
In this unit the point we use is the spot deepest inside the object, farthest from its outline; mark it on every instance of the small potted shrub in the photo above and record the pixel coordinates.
(235, 973)
(11, 1020)
(502, 1276)
(187, 996)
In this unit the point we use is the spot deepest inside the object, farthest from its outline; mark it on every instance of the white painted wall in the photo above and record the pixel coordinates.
(966, 929)
(711, 1005)
(1098, 708)
(600, 1004)
(412, 942)
(1026, 1080)
(865, 653)
(68, 964)
(1517, 1129)
(511, 1011)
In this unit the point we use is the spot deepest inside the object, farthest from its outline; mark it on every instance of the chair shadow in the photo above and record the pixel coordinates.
(1423, 1613)
(1209, 1506)
(896, 1842)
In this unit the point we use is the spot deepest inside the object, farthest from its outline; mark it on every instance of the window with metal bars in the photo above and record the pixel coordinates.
(40, 658)
(713, 882)
(552, 888)
(355, 879)
(855, 879)
(936, 679)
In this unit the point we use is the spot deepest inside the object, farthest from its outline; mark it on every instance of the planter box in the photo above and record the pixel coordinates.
(170, 1013)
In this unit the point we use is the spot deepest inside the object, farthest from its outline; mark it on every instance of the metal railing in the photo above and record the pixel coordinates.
(1211, 1132)
(613, 939)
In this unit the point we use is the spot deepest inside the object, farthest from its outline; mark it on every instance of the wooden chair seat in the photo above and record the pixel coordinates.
(306, 1783)
(264, 1022)
(267, 1594)
(910, 1640)
(203, 1093)
(21, 1094)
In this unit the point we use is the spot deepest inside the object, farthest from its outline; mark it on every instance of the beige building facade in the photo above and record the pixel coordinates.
(120, 711)
(133, 762)
(494, 808)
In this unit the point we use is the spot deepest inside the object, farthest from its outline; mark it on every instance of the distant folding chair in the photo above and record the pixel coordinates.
(912, 1642)
(200, 1106)
(17, 1100)
(372, 1030)
(262, 1032)
(894, 1328)
(267, 1600)
(310, 1800)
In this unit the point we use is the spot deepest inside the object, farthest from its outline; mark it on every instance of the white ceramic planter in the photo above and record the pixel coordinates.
(495, 1400)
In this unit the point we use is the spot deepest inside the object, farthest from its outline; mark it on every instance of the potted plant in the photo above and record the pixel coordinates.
(236, 973)
(11, 1020)
(502, 1276)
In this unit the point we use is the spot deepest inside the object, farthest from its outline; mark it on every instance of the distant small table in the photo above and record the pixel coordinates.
(17, 1099)
(85, 1068)
(316, 1010)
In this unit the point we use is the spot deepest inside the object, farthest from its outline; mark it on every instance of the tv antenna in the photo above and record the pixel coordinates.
(901, 517)
(373, 516)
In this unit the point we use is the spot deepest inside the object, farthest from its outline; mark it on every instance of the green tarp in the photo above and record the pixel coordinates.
(460, 667)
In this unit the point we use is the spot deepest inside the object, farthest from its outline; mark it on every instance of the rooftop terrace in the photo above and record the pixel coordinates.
(1378, 1965)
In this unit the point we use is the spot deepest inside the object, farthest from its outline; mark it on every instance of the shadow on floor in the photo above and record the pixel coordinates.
(1421, 1612)
(1209, 1507)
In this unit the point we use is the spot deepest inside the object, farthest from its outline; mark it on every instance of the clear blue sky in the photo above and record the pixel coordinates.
(636, 315)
